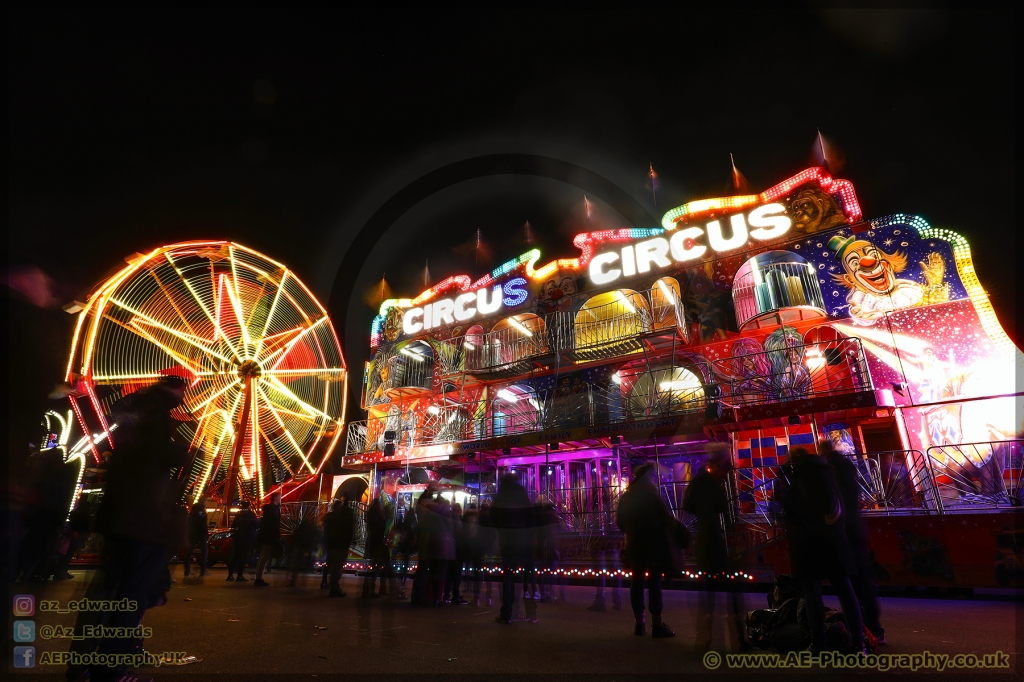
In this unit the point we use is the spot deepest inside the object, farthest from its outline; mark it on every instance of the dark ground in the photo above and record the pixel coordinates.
(276, 634)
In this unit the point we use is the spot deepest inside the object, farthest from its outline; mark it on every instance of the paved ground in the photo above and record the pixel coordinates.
(243, 632)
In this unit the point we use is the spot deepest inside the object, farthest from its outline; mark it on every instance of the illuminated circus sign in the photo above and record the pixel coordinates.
(768, 222)
(809, 201)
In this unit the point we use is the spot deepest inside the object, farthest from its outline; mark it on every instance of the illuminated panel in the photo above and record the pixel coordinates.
(968, 275)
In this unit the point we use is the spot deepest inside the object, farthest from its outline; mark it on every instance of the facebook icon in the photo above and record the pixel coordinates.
(24, 657)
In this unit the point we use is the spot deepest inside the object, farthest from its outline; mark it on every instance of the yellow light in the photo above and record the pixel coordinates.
(626, 302)
(519, 326)
(667, 292)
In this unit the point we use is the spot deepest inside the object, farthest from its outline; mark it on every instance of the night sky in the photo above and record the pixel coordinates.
(288, 132)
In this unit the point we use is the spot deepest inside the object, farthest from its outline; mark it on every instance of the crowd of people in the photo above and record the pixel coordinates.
(142, 522)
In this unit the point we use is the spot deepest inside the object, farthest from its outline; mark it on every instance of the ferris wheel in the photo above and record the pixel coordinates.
(265, 372)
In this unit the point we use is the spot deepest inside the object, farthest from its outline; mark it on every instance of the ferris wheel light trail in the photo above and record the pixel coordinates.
(216, 324)
(276, 384)
(270, 314)
(264, 368)
(298, 337)
(288, 433)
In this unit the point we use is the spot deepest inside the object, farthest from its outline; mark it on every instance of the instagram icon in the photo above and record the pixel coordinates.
(24, 605)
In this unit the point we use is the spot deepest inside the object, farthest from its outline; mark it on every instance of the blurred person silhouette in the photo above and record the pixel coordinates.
(818, 547)
(404, 543)
(141, 518)
(375, 549)
(453, 585)
(339, 530)
(79, 523)
(857, 535)
(302, 550)
(48, 491)
(268, 538)
(474, 560)
(483, 546)
(198, 534)
(511, 515)
(426, 545)
(706, 499)
(548, 528)
(444, 549)
(244, 528)
(647, 524)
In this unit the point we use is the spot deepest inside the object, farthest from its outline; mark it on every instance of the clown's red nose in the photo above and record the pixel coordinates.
(868, 262)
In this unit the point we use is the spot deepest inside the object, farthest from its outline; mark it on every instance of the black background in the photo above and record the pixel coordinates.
(286, 131)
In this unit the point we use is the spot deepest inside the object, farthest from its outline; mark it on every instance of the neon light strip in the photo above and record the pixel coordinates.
(842, 188)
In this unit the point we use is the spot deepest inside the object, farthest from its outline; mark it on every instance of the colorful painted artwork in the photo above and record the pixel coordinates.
(840, 437)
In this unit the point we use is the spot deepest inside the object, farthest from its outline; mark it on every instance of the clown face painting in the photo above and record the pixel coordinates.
(870, 275)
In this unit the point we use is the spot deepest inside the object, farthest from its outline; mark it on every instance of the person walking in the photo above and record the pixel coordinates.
(339, 529)
(818, 547)
(647, 524)
(198, 534)
(244, 529)
(857, 534)
(375, 548)
(511, 516)
(705, 498)
(141, 519)
(269, 537)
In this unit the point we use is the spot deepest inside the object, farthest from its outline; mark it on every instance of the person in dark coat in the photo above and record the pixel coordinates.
(647, 524)
(857, 534)
(198, 534)
(269, 537)
(244, 528)
(375, 548)
(705, 498)
(141, 517)
(511, 516)
(339, 529)
(818, 547)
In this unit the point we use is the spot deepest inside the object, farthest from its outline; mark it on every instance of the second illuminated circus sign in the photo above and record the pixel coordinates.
(768, 222)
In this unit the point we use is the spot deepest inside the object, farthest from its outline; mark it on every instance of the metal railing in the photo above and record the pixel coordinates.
(970, 476)
(795, 371)
(641, 392)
